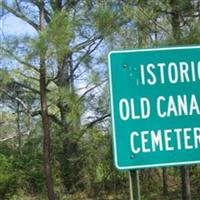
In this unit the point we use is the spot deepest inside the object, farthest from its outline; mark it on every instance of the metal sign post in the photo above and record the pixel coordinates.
(134, 185)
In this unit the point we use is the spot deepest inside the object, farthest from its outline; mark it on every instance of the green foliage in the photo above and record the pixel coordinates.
(4, 77)
(7, 126)
(99, 173)
(94, 78)
(6, 175)
(55, 38)
(68, 98)
(19, 174)
(193, 35)
(105, 20)
(59, 33)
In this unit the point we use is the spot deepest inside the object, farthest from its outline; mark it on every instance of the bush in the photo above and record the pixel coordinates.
(6, 176)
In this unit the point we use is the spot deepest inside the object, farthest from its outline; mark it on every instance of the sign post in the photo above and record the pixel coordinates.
(134, 184)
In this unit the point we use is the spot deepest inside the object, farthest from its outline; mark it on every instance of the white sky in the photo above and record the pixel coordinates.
(11, 25)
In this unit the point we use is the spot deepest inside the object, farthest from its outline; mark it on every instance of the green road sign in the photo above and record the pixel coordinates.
(155, 106)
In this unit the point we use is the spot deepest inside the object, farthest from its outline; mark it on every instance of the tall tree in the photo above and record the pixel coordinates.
(55, 61)
(185, 178)
(44, 109)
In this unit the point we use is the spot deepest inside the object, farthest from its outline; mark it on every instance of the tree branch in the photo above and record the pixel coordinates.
(19, 59)
(91, 124)
(27, 87)
(20, 15)
(89, 90)
(55, 119)
(8, 138)
(88, 52)
(22, 103)
(46, 13)
(154, 21)
(84, 44)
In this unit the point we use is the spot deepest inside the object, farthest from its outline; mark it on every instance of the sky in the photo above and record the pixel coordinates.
(11, 25)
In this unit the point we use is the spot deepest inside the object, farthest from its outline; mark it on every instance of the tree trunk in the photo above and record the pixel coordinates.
(45, 117)
(142, 29)
(46, 137)
(175, 20)
(18, 129)
(185, 177)
(165, 181)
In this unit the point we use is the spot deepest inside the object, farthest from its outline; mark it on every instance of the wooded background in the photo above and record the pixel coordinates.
(55, 138)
